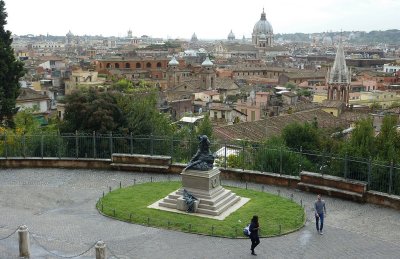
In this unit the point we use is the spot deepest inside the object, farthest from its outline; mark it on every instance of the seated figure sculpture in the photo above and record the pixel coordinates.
(203, 159)
(189, 200)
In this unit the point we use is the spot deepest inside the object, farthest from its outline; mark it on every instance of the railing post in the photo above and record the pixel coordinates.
(76, 145)
(100, 248)
(391, 177)
(59, 145)
(243, 155)
(131, 143)
(301, 156)
(369, 172)
(172, 148)
(23, 145)
(345, 165)
(5, 145)
(151, 144)
(111, 145)
(280, 159)
(94, 144)
(41, 145)
(225, 158)
(23, 240)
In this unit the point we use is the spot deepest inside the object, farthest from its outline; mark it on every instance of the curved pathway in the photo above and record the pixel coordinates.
(58, 206)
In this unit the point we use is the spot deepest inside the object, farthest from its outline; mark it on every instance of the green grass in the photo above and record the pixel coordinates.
(277, 215)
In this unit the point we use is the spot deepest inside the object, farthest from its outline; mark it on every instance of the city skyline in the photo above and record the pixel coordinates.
(209, 20)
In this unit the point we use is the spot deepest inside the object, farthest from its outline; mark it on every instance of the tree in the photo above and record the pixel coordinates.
(306, 136)
(142, 115)
(362, 140)
(25, 122)
(205, 127)
(388, 140)
(11, 70)
(90, 111)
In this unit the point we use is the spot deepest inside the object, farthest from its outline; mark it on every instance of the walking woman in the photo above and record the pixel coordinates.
(255, 239)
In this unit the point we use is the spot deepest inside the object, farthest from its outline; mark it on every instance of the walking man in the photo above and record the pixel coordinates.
(320, 212)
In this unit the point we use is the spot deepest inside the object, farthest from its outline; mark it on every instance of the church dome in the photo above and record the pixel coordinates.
(262, 26)
(173, 62)
(194, 38)
(327, 41)
(207, 63)
(231, 36)
(263, 36)
(69, 34)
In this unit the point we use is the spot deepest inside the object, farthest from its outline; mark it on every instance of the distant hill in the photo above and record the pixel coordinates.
(360, 37)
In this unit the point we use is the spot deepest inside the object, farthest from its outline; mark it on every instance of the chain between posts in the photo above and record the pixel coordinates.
(63, 256)
(3, 238)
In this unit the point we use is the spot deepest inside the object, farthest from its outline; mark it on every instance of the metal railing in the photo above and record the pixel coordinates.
(382, 177)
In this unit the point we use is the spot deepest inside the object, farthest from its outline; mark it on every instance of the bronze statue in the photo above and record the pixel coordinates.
(189, 200)
(203, 159)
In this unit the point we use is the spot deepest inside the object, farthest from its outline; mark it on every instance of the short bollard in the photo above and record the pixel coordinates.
(23, 236)
(100, 250)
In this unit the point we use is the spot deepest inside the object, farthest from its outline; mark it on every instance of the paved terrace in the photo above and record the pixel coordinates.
(58, 206)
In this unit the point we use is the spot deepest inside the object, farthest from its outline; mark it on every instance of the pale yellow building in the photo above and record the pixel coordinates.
(383, 98)
(82, 79)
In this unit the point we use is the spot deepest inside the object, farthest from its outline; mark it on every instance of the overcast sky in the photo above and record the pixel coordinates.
(209, 19)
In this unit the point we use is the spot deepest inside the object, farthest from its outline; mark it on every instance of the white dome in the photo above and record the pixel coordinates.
(327, 40)
(231, 36)
(262, 26)
(173, 62)
(207, 63)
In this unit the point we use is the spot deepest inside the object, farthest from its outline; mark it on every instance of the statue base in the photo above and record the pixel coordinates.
(213, 199)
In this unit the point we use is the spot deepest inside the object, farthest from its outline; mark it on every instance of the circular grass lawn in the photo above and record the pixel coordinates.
(277, 215)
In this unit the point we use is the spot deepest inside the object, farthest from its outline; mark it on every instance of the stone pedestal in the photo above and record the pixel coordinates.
(213, 199)
(200, 180)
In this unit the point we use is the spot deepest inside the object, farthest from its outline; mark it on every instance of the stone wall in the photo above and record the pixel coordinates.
(387, 200)
(55, 163)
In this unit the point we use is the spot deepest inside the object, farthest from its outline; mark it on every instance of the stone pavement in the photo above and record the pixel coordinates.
(58, 206)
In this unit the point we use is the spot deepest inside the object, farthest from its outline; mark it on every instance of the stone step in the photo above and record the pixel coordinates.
(167, 204)
(221, 196)
(219, 210)
(219, 204)
(347, 195)
(170, 200)
(203, 195)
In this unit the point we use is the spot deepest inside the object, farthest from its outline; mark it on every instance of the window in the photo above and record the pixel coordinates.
(159, 65)
(116, 65)
(127, 65)
(215, 115)
(148, 65)
(253, 115)
(138, 65)
(223, 114)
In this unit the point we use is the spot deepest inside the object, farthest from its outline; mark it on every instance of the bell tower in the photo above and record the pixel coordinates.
(339, 78)
(207, 75)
